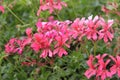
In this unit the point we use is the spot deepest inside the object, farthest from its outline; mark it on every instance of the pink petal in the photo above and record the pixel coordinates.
(89, 36)
(43, 54)
(90, 61)
(103, 76)
(95, 18)
(110, 36)
(118, 73)
(94, 36)
(105, 39)
(50, 53)
(29, 32)
(35, 46)
(118, 59)
(38, 12)
(110, 22)
(104, 55)
(56, 51)
(113, 70)
(64, 4)
(113, 59)
(107, 62)
(20, 51)
(89, 73)
(61, 52)
(2, 9)
(108, 74)
(68, 46)
(39, 24)
(101, 35)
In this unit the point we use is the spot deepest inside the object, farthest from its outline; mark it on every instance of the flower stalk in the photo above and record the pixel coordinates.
(15, 15)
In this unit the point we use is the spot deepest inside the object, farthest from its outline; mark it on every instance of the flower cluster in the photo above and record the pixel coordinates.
(50, 5)
(54, 36)
(93, 29)
(100, 66)
(16, 46)
(51, 38)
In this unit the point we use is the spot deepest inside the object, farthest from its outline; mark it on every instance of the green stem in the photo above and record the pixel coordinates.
(56, 13)
(58, 17)
(73, 9)
(15, 15)
(82, 48)
(95, 47)
(85, 47)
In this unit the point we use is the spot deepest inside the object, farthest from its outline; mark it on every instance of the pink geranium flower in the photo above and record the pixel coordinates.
(38, 41)
(15, 45)
(9, 47)
(46, 50)
(42, 43)
(92, 25)
(54, 32)
(106, 33)
(102, 71)
(78, 27)
(116, 67)
(92, 68)
(61, 42)
(99, 68)
(2, 9)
